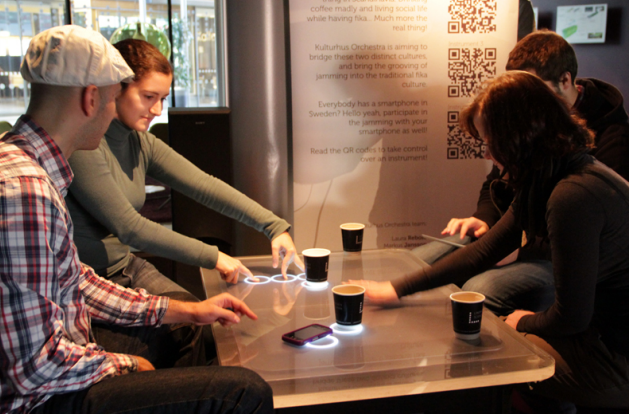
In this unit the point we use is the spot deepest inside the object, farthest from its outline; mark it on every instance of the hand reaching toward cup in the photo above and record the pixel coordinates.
(378, 293)
(283, 248)
(230, 268)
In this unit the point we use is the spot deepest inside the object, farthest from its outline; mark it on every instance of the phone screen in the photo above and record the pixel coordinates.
(308, 332)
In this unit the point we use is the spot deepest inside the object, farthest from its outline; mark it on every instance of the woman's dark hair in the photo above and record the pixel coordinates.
(530, 131)
(143, 58)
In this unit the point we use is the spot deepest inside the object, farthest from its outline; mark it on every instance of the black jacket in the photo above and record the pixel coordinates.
(601, 105)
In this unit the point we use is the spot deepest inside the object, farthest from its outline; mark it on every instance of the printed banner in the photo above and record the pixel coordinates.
(377, 87)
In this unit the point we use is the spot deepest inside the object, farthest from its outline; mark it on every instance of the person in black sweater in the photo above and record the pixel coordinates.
(528, 283)
(579, 206)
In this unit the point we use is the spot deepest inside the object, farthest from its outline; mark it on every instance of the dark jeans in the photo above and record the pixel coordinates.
(587, 373)
(139, 273)
(207, 389)
(181, 383)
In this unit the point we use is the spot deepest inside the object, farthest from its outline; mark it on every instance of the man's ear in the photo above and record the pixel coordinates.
(565, 81)
(90, 100)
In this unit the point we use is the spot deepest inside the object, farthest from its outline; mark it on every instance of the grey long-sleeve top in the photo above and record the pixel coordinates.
(108, 191)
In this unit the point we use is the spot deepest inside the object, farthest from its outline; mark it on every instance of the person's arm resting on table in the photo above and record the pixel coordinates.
(108, 205)
(457, 267)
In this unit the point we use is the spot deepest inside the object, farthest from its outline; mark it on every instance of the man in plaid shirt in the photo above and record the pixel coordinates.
(50, 359)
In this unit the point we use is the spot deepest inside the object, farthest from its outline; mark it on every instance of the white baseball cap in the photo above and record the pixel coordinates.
(73, 56)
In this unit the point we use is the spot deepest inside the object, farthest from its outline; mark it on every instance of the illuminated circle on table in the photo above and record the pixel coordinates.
(280, 278)
(314, 286)
(323, 343)
(263, 280)
(347, 329)
(301, 276)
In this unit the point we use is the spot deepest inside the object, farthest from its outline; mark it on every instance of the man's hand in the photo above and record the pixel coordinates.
(283, 248)
(470, 226)
(230, 268)
(513, 319)
(209, 311)
(378, 293)
(143, 364)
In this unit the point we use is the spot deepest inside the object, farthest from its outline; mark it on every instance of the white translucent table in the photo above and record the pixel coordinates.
(405, 350)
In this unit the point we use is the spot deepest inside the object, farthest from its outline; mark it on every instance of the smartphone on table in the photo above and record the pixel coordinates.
(307, 334)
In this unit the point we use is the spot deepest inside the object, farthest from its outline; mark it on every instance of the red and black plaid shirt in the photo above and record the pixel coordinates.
(47, 296)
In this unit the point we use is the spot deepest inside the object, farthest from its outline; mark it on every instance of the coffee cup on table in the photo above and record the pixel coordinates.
(467, 314)
(348, 304)
(316, 262)
(352, 236)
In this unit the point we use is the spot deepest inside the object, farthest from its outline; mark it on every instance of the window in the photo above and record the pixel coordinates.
(194, 43)
(18, 24)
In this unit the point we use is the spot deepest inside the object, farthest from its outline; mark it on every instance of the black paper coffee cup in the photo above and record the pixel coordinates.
(316, 262)
(467, 314)
(348, 304)
(352, 236)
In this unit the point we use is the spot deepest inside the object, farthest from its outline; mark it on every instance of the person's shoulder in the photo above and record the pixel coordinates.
(148, 137)
(602, 102)
(152, 145)
(591, 183)
(18, 158)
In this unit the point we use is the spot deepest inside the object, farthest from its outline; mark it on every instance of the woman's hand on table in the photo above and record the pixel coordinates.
(230, 268)
(470, 226)
(283, 248)
(378, 293)
(513, 319)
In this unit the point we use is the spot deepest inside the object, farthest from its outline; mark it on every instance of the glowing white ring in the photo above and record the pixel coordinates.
(315, 286)
(280, 279)
(323, 343)
(347, 329)
(263, 280)
(301, 276)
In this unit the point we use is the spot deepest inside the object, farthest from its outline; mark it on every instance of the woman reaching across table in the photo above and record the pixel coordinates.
(109, 190)
(581, 207)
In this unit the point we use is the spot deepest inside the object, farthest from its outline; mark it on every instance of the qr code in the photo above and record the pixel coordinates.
(468, 69)
(461, 145)
(472, 16)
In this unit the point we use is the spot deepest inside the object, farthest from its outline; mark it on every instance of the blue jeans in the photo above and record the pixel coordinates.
(433, 251)
(520, 285)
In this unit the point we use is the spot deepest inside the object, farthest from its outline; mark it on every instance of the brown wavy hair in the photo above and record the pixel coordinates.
(530, 131)
(143, 58)
(546, 53)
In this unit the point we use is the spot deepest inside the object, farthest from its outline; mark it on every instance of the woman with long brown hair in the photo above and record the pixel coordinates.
(581, 208)
(109, 189)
